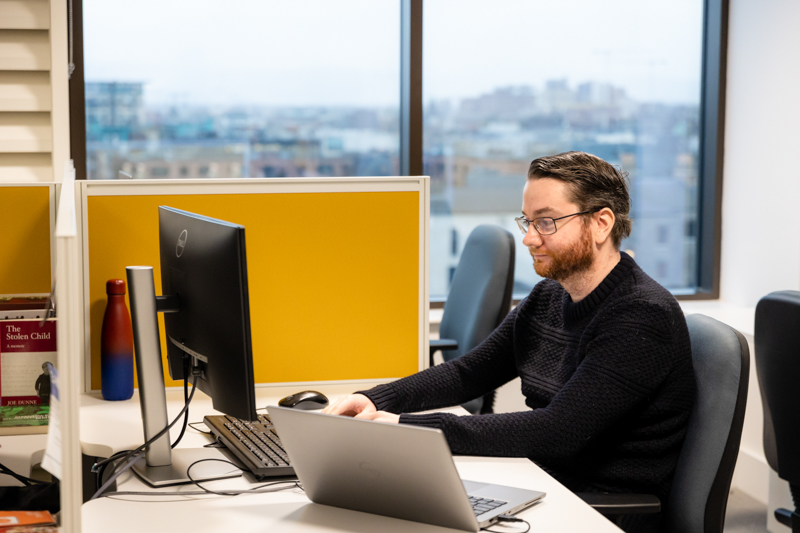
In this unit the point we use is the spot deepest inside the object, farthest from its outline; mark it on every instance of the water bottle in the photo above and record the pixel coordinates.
(116, 345)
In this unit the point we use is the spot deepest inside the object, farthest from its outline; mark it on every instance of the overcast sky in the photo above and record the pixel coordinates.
(346, 52)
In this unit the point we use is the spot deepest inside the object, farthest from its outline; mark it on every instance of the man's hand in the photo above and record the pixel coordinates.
(351, 405)
(380, 416)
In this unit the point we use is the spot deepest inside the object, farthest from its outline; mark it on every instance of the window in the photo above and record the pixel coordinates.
(608, 78)
(315, 88)
(251, 89)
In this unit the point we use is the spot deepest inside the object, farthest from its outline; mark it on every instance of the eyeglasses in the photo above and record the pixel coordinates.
(545, 225)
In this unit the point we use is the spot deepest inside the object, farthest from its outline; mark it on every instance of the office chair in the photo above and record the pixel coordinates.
(699, 493)
(479, 299)
(777, 336)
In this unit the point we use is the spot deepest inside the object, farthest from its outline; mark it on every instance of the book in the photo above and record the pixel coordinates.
(12, 307)
(26, 346)
(19, 521)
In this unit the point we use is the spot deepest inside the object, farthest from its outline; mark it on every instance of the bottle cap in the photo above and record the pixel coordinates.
(115, 286)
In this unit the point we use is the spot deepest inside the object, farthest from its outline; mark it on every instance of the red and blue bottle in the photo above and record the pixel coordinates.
(116, 345)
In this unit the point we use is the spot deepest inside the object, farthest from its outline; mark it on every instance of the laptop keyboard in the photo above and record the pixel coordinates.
(482, 505)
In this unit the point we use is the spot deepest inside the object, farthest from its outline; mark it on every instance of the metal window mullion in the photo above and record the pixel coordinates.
(712, 127)
(411, 88)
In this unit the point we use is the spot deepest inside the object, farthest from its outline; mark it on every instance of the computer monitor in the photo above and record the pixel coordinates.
(203, 265)
(207, 318)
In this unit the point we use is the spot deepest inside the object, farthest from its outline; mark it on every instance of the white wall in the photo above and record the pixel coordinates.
(761, 189)
(761, 185)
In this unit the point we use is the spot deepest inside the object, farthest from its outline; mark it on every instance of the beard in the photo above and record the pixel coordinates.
(565, 264)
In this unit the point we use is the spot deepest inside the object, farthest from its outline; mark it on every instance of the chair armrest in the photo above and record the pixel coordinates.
(615, 504)
(443, 344)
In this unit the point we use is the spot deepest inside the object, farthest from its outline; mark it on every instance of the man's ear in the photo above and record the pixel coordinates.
(603, 224)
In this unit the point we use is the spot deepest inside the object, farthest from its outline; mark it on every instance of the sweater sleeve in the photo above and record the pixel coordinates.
(623, 366)
(486, 367)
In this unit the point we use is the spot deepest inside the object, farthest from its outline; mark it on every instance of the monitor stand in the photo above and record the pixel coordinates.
(162, 465)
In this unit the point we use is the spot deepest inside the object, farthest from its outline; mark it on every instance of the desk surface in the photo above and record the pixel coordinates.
(108, 427)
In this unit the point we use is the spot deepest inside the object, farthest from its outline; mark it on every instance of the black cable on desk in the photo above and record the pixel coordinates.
(27, 481)
(185, 397)
(133, 455)
(234, 492)
(509, 518)
(100, 468)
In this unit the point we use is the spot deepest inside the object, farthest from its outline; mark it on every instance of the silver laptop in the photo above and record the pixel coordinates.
(389, 469)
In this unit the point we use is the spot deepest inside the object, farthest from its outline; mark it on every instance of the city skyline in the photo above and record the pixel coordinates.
(476, 152)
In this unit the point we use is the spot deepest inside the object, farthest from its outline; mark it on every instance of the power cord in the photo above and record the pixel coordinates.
(260, 489)
(256, 490)
(509, 518)
(27, 481)
(193, 424)
(100, 468)
(185, 410)
(185, 398)
(133, 455)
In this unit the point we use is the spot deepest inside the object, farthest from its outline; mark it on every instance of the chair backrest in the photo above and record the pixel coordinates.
(777, 348)
(699, 495)
(480, 294)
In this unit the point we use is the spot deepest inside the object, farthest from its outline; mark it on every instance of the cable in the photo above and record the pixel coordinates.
(189, 475)
(133, 458)
(509, 518)
(192, 424)
(101, 469)
(185, 398)
(256, 490)
(133, 455)
(260, 489)
(27, 481)
(294, 484)
(160, 433)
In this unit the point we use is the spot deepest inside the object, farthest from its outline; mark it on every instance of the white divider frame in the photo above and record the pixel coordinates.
(420, 184)
(69, 344)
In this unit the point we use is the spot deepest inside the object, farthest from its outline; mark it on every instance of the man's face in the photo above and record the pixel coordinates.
(568, 251)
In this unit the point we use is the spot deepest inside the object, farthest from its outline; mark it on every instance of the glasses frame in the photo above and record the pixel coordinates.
(524, 224)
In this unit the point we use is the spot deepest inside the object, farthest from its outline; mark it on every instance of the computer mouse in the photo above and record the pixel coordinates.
(306, 400)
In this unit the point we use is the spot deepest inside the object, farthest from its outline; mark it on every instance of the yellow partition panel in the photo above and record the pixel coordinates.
(25, 257)
(333, 277)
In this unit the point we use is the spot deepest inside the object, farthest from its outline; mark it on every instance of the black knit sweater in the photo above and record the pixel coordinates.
(608, 380)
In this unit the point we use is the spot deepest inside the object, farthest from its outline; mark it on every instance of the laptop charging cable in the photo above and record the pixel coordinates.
(509, 518)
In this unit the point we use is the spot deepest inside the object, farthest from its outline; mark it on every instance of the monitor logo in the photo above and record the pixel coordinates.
(181, 243)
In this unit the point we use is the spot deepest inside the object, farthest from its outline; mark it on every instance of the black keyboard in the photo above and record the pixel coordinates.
(256, 444)
(482, 505)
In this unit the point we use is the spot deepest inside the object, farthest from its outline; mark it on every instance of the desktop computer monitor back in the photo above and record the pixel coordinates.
(204, 265)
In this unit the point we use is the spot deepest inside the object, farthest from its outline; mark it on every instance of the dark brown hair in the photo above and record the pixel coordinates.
(594, 184)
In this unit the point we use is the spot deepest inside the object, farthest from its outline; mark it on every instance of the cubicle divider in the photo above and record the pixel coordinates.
(69, 340)
(28, 213)
(337, 267)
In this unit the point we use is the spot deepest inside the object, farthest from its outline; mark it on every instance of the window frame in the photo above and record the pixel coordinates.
(712, 123)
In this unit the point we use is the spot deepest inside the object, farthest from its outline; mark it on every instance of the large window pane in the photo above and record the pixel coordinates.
(509, 81)
(247, 88)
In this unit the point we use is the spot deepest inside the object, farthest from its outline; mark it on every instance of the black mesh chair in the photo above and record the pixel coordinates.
(479, 299)
(699, 494)
(777, 337)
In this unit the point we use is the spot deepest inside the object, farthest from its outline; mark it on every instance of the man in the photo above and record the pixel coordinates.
(602, 351)
(43, 384)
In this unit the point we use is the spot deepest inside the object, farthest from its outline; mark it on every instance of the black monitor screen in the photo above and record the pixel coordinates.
(203, 264)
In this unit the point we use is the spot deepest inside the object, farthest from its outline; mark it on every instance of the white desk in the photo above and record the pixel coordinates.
(108, 427)
(20, 453)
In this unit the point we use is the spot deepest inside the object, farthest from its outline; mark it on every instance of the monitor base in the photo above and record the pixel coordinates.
(182, 459)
